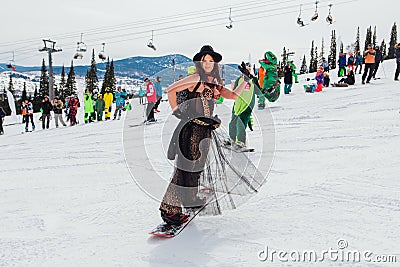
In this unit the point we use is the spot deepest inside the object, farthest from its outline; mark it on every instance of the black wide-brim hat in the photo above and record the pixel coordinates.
(207, 50)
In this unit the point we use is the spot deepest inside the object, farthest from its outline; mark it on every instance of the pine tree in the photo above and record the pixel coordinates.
(111, 81)
(316, 60)
(62, 83)
(333, 52)
(11, 86)
(44, 81)
(37, 100)
(374, 38)
(322, 54)
(24, 93)
(284, 57)
(383, 49)
(357, 46)
(70, 86)
(393, 42)
(91, 79)
(368, 38)
(303, 68)
(312, 53)
(104, 85)
(341, 48)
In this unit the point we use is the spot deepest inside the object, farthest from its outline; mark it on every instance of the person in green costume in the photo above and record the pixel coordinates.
(88, 106)
(271, 84)
(294, 74)
(242, 108)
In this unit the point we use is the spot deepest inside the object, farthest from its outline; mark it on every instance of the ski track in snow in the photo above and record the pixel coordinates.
(67, 197)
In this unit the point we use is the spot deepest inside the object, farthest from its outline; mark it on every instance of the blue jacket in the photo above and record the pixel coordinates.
(342, 61)
(158, 87)
(359, 60)
(120, 98)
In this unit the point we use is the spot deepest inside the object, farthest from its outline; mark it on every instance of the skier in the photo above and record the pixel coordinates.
(88, 106)
(195, 128)
(359, 61)
(288, 78)
(269, 81)
(58, 111)
(108, 100)
(100, 107)
(351, 61)
(120, 97)
(151, 100)
(397, 52)
(242, 109)
(46, 108)
(73, 105)
(369, 56)
(29, 115)
(158, 87)
(378, 61)
(342, 64)
(2, 116)
(320, 79)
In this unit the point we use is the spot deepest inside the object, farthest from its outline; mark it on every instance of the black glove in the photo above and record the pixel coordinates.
(246, 73)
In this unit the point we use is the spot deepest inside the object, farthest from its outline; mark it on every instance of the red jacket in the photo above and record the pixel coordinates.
(151, 93)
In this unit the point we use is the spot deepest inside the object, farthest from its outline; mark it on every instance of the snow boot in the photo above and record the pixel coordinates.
(174, 218)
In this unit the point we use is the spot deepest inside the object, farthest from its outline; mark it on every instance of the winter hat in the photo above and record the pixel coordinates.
(207, 50)
(146, 79)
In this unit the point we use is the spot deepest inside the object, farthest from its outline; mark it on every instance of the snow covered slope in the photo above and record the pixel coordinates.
(68, 199)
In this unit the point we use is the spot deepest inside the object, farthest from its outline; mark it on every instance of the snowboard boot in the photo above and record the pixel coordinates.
(26, 129)
(174, 218)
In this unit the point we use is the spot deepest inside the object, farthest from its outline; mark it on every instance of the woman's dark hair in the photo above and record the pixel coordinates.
(215, 73)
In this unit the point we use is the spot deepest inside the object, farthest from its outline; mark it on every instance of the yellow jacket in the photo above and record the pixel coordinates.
(108, 99)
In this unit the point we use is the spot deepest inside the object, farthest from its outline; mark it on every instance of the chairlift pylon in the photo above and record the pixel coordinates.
(315, 16)
(102, 54)
(150, 43)
(329, 18)
(230, 26)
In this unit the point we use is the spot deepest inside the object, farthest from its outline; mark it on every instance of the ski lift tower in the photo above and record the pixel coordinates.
(49, 47)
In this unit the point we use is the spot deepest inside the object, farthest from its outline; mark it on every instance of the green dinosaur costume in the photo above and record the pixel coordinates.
(271, 85)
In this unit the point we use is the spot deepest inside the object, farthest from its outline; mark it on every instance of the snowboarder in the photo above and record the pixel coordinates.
(73, 105)
(29, 115)
(108, 100)
(291, 64)
(378, 61)
(141, 95)
(325, 65)
(327, 79)
(397, 52)
(46, 108)
(195, 127)
(151, 100)
(288, 78)
(120, 97)
(58, 111)
(88, 106)
(359, 61)
(2, 116)
(269, 80)
(99, 106)
(351, 61)
(242, 109)
(369, 56)
(342, 64)
(346, 81)
(320, 79)
(158, 87)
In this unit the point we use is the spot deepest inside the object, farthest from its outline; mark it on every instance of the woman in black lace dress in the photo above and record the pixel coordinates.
(193, 135)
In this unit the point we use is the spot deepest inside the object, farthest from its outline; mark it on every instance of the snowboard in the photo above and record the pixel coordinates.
(237, 148)
(169, 231)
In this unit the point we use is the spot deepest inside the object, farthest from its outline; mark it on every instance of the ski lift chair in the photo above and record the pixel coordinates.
(78, 55)
(329, 18)
(315, 16)
(230, 26)
(150, 43)
(102, 54)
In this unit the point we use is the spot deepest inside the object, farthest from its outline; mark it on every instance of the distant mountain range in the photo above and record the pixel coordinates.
(136, 68)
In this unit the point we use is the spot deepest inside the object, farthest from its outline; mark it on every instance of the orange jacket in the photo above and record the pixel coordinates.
(369, 56)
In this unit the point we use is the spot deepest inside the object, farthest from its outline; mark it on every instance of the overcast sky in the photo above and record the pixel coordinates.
(262, 28)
